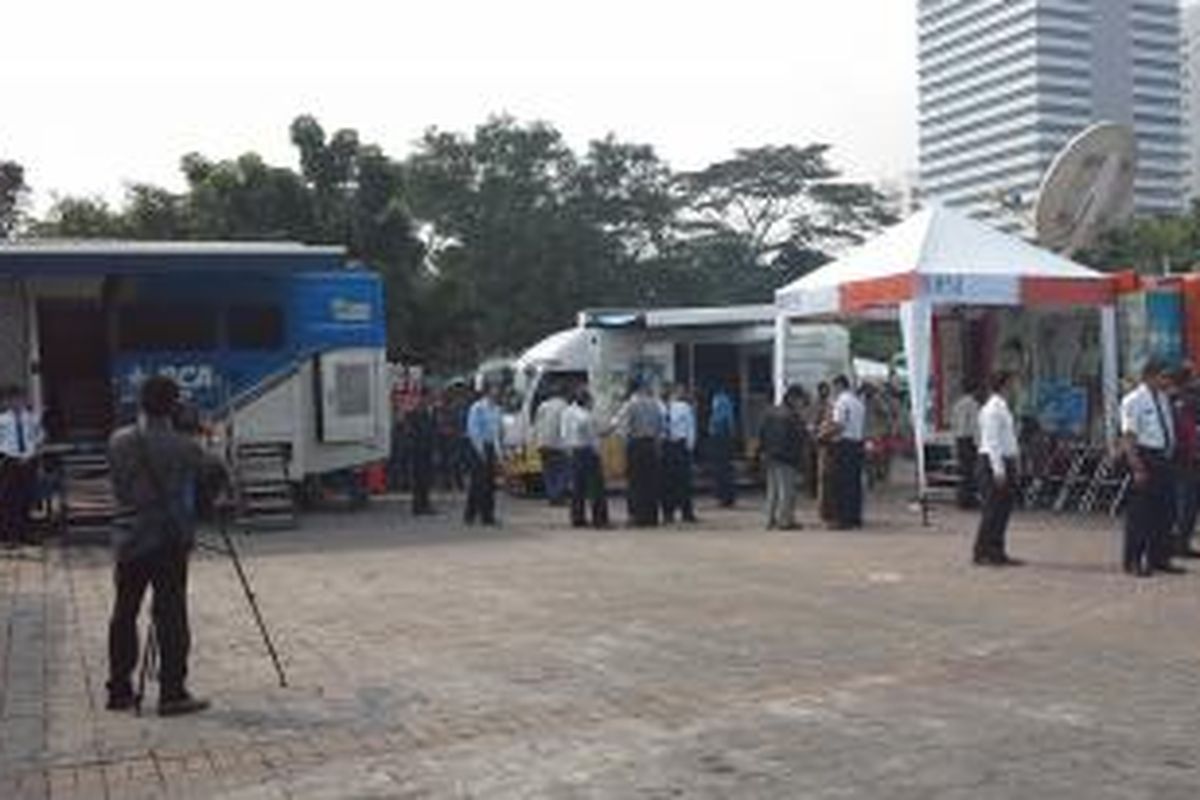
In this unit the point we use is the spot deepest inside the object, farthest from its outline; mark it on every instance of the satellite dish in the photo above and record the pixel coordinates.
(1088, 188)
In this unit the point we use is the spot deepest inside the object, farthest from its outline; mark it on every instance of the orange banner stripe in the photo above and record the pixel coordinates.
(1066, 292)
(859, 295)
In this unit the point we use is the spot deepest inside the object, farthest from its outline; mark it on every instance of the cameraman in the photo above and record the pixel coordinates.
(154, 468)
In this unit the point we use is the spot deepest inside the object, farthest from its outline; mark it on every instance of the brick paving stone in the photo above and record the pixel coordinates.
(429, 660)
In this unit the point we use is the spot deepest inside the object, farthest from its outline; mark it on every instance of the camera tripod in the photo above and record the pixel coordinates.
(150, 659)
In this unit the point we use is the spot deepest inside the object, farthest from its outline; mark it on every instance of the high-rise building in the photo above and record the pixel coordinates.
(1191, 97)
(1004, 84)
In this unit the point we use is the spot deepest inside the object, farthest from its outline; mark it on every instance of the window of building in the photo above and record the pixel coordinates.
(255, 327)
(166, 327)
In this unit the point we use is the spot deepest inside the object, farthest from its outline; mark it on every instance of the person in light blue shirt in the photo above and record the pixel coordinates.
(483, 433)
(722, 430)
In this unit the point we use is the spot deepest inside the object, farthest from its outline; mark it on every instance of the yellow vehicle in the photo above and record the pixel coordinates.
(701, 348)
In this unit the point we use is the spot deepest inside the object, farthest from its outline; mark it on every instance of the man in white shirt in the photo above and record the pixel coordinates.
(996, 474)
(678, 447)
(581, 439)
(548, 433)
(20, 446)
(847, 420)
(1148, 435)
(964, 419)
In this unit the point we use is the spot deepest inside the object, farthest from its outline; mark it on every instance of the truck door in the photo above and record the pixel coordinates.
(349, 395)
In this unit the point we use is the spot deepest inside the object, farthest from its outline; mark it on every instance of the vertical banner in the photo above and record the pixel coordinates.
(916, 323)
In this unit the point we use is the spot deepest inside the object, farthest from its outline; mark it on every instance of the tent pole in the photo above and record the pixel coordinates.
(916, 323)
(1111, 389)
(782, 323)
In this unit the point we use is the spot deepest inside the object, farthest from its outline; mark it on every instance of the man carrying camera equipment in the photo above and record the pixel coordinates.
(153, 466)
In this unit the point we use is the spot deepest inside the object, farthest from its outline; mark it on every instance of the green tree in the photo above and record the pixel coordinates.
(82, 218)
(503, 230)
(1149, 245)
(785, 203)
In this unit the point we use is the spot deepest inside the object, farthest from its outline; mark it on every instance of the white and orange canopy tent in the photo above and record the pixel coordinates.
(940, 257)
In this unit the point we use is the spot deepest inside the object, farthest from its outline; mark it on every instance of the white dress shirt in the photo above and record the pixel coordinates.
(548, 423)
(578, 429)
(964, 418)
(850, 414)
(997, 434)
(681, 423)
(1152, 427)
(21, 434)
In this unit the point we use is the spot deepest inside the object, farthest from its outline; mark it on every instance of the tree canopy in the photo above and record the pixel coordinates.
(489, 239)
(12, 196)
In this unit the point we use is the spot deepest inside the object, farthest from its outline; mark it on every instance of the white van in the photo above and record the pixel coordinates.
(701, 348)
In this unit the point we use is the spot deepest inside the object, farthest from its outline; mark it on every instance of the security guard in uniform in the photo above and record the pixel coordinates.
(1148, 436)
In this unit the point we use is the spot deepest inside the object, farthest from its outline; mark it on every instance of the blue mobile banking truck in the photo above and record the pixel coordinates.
(274, 343)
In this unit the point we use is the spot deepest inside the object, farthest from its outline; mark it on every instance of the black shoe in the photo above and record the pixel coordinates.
(692, 520)
(120, 701)
(1005, 561)
(986, 561)
(1171, 569)
(183, 704)
(1189, 553)
(1143, 571)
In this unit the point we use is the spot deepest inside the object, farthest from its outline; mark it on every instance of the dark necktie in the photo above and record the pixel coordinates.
(1168, 444)
(17, 417)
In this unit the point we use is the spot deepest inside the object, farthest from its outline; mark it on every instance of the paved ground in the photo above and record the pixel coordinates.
(719, 661)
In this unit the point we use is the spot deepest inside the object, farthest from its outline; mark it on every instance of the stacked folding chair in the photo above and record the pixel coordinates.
(1110, 485)
(1083, 461)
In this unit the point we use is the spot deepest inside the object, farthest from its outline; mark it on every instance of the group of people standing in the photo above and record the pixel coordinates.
(826, 439)
(1159, 445)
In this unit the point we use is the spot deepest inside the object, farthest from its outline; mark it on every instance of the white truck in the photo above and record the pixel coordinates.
(702, 348)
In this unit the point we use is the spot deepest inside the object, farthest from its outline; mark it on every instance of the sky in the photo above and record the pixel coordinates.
(97, 95)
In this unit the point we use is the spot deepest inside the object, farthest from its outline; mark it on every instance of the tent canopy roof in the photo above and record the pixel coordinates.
(940, 242)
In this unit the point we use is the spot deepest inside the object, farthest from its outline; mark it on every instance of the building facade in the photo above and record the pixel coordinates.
(1004, 84)
(1191, 98)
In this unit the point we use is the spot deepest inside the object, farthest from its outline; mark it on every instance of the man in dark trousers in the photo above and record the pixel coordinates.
(642, 419)
(20, 445)
(421, 429)
(581, 439)
(1148, 435)
(153, 470)
(483, 435)
(722, 431)
(1187, 461)
(996, 475)
(679, 445)
(847, 428)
